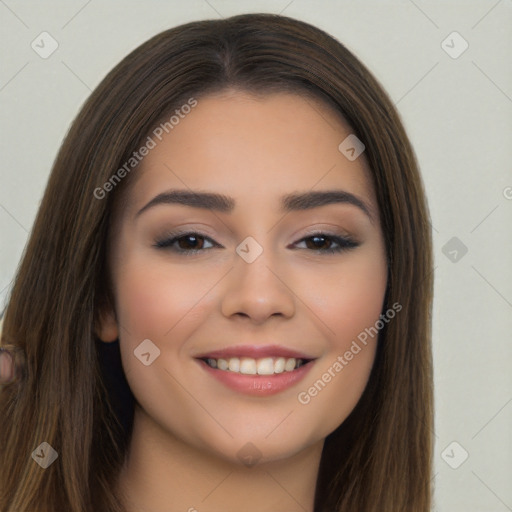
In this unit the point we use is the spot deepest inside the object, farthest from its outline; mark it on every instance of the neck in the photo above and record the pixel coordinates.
(164, 473)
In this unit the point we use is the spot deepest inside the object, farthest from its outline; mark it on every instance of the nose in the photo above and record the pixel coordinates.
(257, 290)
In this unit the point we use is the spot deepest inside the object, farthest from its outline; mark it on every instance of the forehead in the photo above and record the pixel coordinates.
(246, 146)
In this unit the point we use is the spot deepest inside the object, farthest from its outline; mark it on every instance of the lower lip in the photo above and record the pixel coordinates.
(258, 385)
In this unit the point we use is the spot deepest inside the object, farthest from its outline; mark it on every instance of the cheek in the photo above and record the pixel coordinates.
(155, 299)
(350, 298)
(159, 302)
(350, 305)
(165, 305)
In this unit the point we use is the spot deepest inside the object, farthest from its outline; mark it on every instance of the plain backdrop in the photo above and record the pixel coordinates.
(456, 105)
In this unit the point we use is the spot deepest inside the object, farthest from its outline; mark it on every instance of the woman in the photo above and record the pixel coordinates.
(225, 300)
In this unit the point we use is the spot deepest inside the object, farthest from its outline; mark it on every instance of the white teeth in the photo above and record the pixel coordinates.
(250, 366)
(290, 364)
(222, 364)
(234, 364)
(279, 365)
(265, 366)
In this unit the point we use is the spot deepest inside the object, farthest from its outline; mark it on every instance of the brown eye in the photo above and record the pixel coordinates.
(318, 242)
(328, 244)
(185, 243)
(193, 242)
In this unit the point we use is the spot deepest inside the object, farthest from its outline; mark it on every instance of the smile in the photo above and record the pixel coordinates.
(250, 366)
(256, 370)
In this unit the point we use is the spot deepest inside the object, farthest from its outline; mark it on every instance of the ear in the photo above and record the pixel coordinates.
(106, 327)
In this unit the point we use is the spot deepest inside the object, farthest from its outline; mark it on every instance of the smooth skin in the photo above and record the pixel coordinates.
(188, 426)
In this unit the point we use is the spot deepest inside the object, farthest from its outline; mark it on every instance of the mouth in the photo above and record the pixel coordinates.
(257, 370)
(251, 366)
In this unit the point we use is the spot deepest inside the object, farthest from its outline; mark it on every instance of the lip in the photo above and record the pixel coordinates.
(258, 385)
(254, 351)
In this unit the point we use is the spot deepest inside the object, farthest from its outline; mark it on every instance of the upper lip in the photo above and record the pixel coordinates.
(255, 352)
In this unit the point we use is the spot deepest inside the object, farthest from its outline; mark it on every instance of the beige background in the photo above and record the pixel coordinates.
(458, 113)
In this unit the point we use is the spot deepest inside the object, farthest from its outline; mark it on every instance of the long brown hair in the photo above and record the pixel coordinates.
(379, 459)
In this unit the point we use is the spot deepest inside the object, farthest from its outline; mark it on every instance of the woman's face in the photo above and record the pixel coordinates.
(249, 278)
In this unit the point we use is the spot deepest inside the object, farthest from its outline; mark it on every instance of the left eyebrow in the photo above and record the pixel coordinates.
(290, 202)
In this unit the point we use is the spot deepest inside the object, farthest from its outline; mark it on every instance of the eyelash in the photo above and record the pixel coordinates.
(344, 243)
